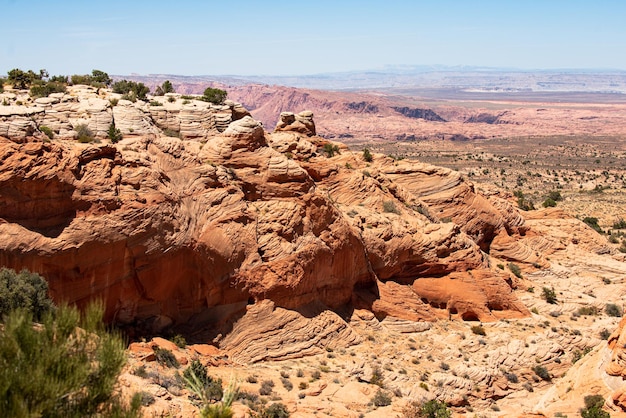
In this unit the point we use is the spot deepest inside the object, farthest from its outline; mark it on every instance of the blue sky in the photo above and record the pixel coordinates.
(294, 37)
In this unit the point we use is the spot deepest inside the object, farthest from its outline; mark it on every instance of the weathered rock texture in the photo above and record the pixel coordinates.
(254, 238)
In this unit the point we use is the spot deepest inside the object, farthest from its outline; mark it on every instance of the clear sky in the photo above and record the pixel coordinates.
(266, 37)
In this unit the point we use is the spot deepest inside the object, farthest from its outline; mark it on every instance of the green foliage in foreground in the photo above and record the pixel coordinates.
(66, 366)
(430, 409)
(24, 290)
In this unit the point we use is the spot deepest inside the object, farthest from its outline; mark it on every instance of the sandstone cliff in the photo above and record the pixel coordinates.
(229, 226)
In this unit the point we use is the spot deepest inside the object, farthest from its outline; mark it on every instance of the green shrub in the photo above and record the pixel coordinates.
(381, 398)
(330, 149)
(266, 387)
(367, 155)
(612, 309)
(164, 88)
(619, 224)
(275, 410)
(155, 103)
(549, 203)
(377, 377)
(605, 334)
(390, 207)
(47, 131)
(542, 372)
(179, 340)
(549, 295)
(430, 409)
(41, 89)
(213, 95)
(25, 290)
(131, 88)
(515, 270)
(2, 83)
(172, 133)
(593, 223)
(114, 134)
(85, 134)
(23, 79)
(196, 376)
(165, 357)
(593, 407)
(478, 330)
(66, 367)
(511, 377)
(588, 310)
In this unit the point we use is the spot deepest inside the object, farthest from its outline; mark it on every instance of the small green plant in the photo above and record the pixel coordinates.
(535, 310)
(593, 407)
(331, 149)
(267, 386)
(114, 134)
(542, 372)
(205, 386)
(381, 398)
(155, 103)
(431, 409)
(605, 334)
(367, 155)
(84, 134)
(511, 377)
(114, 101)
(390, 207)
(377, 377)
(478, 330)
(619, 224)
(587, 310)
(131, 88)
(165, 357)
(515, 270)
(164, 88)
(179, 340)
(275, 410)
(172, 133)
(593, 223)
(549, 295)
(612, 309)
(47, 131)
(548, 203)
(213, 95)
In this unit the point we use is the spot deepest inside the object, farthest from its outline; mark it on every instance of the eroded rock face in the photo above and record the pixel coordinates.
(251, 228)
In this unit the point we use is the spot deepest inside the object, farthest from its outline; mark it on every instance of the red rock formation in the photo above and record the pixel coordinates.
(175, 232)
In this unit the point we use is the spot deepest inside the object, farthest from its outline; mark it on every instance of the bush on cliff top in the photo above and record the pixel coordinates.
(212, 95)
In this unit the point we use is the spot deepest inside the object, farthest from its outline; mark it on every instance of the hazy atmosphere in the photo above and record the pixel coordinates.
(281, 38)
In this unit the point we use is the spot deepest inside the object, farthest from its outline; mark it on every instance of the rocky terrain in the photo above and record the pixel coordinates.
(286, 256)
(411, 114)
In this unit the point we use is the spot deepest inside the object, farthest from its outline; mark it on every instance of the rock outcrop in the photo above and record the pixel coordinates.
(246, 227)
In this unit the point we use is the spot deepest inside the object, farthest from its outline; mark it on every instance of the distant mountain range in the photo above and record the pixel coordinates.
(478, 79)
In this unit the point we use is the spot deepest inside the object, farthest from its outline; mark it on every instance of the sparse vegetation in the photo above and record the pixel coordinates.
(390, 207)
(164, 88)
(47, 131)
(431, 409)
(549, 295)
(114, 134)
(131, 90)
(542, 372)
(612, 309)
(593, 223)
(381, 398)
(213, 95)
(83, 133)
(515, 270)
(165, 357)
(331, 149)
(367, 155)
(593, 407)
(478, 330)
